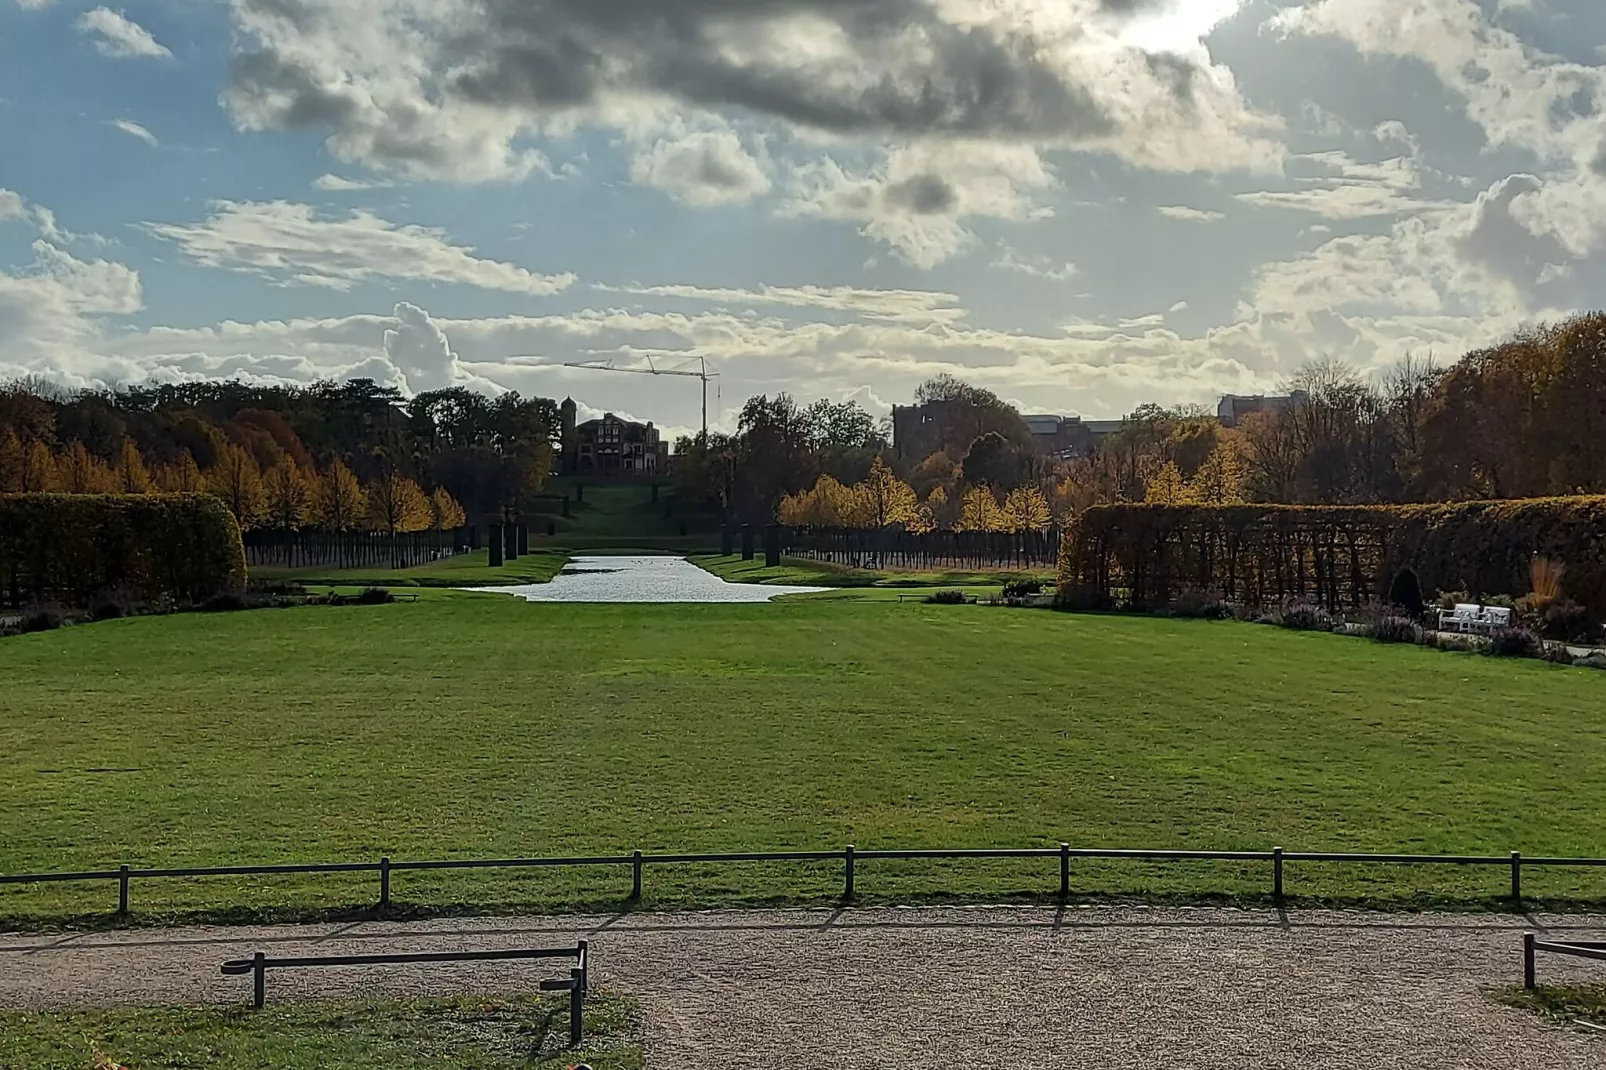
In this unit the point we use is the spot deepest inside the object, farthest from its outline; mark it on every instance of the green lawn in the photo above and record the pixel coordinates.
(478, 1032)
(481, 726)
(805, 571)
(464, 570)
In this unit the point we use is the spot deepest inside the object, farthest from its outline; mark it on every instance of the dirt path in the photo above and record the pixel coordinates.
(979, 987)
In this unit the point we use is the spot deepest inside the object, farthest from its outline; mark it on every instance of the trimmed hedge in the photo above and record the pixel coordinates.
(72, 548)
(1338, 557)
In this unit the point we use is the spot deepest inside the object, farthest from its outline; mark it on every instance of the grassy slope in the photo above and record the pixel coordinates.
(804, 571)
(622, 516)
(464, 570)
(487, 1033)
(478, 726)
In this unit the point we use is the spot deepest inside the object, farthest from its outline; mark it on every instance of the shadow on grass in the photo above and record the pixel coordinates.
(28, 923)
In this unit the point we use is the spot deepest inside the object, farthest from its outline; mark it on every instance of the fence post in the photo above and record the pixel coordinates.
(1065, 871)
(1516, 876)
(122, 888)
(259, 981)
(635, 876)
(577, 1002)
(384, 882)
(1276, 872)
(1528, 960)
(847, 872)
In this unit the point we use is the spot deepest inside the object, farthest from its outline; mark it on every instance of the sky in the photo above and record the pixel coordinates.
(1082, 205)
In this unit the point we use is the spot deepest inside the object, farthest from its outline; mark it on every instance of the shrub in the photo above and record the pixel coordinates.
(1448, 600)
(1193, 602)
(41, 619)
(1392, 628)
(1514, 643)
(1082, 599)
(1023, 588)
(1567, 621)
(947, 598)
(106, 608)
(374, 596)
(69, 548)
(224, 603)
(1302, 617)
(1544, 576)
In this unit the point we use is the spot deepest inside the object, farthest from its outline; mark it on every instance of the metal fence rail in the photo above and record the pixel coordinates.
(1578, 949)
(576, 984)
(849, 856)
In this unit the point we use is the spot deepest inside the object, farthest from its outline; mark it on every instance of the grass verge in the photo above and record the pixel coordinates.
(464, 570)
(802, 571)
(482, 1032)
(1583, 1005)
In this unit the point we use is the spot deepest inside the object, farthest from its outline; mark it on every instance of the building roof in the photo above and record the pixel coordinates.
(1044, 425)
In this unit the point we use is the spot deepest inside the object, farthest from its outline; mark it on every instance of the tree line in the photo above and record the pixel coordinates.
(351, 456)
(1522, 419)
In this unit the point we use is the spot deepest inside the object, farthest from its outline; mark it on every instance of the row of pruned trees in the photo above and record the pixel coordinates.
(287, 496)
(489, 453)
(882, 500)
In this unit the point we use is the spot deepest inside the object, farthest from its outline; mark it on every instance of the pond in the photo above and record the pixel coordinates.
(608, 578)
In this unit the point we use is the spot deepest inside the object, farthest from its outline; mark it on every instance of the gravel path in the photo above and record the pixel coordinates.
(928, 988)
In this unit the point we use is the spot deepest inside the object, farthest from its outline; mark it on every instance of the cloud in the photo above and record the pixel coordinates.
(705, 168)
(12, 206)
(917, 198)
(417, 348)
(1519, 95)
(923, 306)
(290, 244)
(1190, 215)
(1041, 267)
(336, 184)
(130, 127)
(47, 308)
(1099, 371)
(115, 35)
(441, 89)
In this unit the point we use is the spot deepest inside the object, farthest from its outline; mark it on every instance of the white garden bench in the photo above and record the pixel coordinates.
(1466, 617)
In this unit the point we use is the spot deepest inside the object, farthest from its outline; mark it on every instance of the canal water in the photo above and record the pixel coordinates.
(598, 578)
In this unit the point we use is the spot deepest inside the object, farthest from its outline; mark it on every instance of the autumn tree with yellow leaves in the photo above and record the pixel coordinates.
(338, 501)
(131, 476)
(287, 495)
(237, 480)
(445, 514)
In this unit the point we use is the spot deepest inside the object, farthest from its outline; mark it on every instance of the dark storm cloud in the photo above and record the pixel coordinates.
(925, 194)
(977, 82)
(899, 68)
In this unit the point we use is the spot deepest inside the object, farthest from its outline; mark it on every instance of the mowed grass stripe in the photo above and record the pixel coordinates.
(477, 726)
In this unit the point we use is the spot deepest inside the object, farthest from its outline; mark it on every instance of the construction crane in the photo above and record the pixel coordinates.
(652, 369)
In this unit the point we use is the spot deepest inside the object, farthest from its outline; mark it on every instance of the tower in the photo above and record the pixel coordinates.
(566, 435)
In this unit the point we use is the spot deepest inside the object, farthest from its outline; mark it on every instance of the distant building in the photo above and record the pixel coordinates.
(1234, 407)
(918, 431)
(611, 446)
(1060, 436)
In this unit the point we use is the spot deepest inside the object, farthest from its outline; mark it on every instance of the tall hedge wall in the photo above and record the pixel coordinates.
(1337, 556)
(71, 548)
